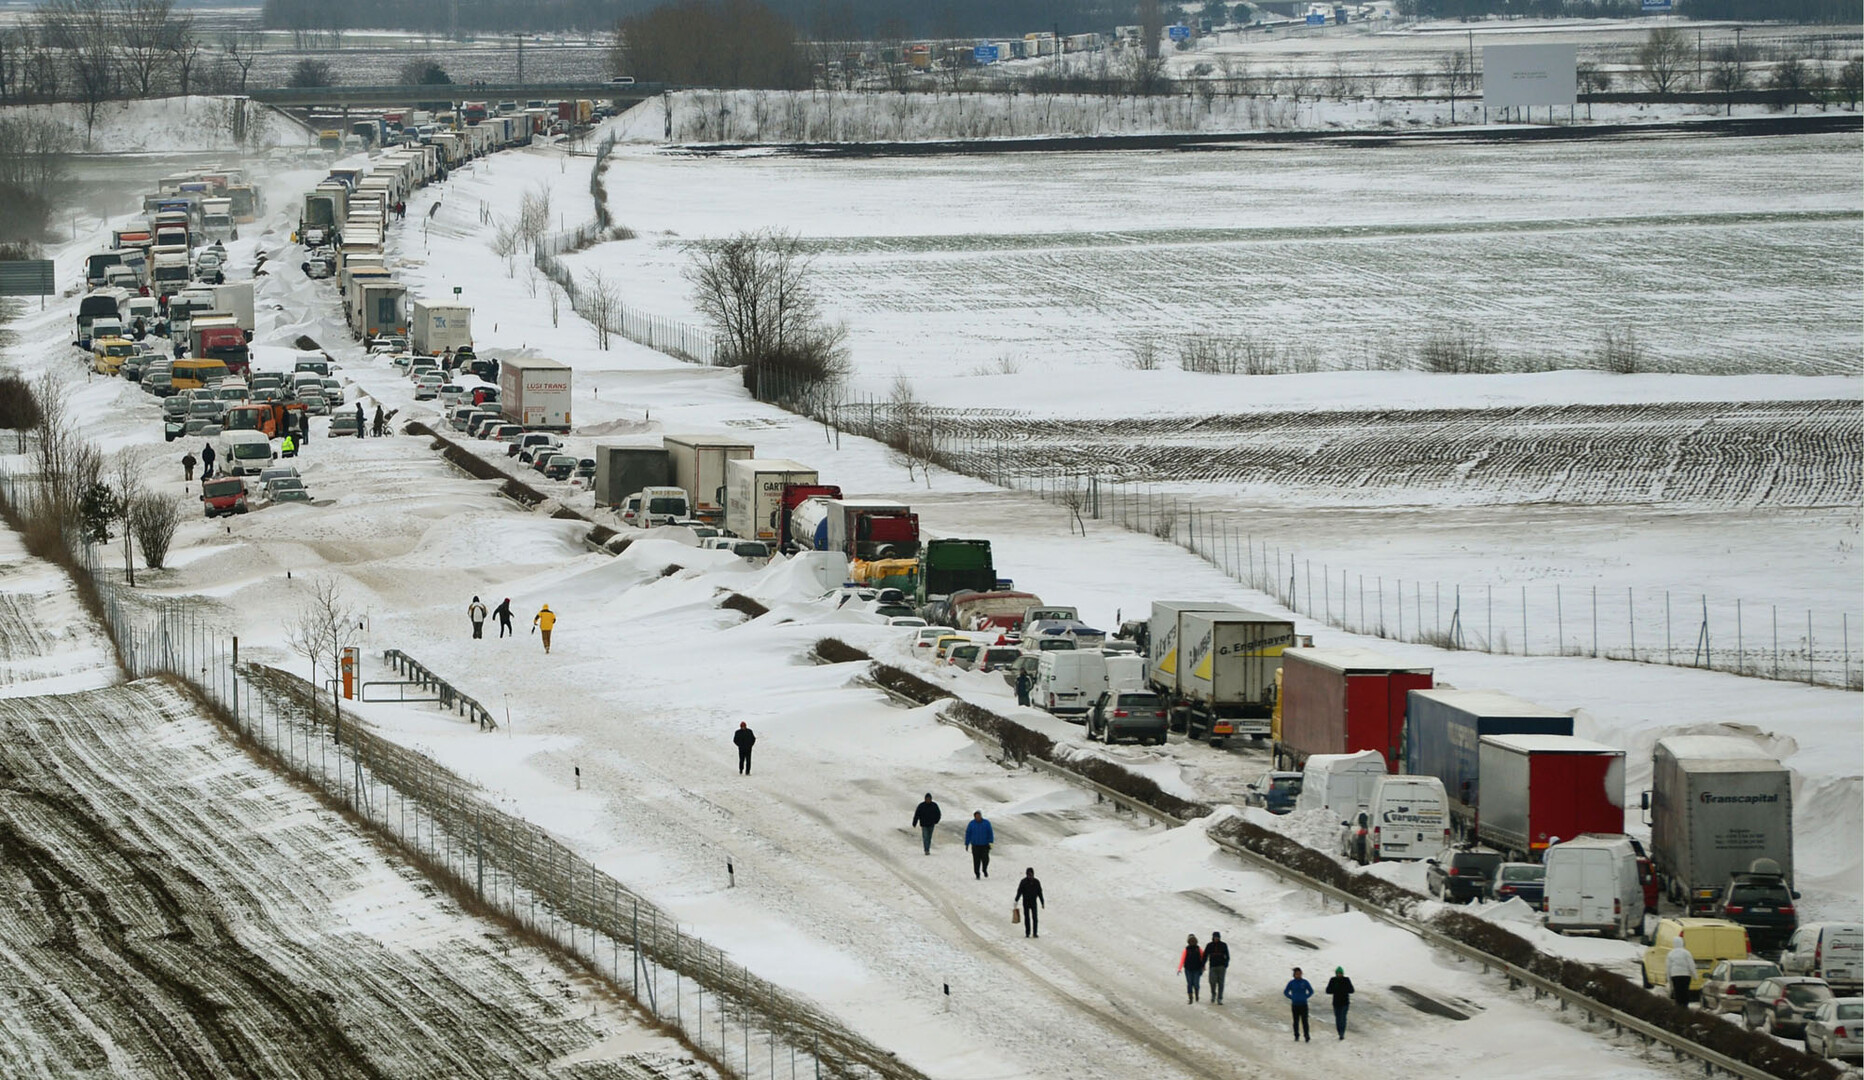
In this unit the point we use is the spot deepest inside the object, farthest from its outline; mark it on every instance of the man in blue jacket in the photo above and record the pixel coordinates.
(978, 836)
(1297, 992)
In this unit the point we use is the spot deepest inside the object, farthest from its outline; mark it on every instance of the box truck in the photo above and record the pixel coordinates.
(699, 468)
(435, 328)
(1540, 789)
(535, 392)
(235, 298)
(621, 469)
(1162, 637)
(381, 308)
(1717, 803)
(1226, 673)
(754, 494)
(1341, 701)
(1443, 732)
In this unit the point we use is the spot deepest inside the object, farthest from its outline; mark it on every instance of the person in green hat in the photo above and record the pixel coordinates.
(1340, 988)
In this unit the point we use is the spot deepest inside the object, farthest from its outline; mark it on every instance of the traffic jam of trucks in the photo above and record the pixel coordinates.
(1495, 797)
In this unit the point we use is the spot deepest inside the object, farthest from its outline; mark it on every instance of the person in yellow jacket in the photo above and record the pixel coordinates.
(545, 620)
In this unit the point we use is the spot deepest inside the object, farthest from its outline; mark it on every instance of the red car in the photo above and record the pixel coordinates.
(224, 495)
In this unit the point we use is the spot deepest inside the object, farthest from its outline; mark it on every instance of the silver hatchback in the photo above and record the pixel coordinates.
(1731, 982)
(1836, 1030)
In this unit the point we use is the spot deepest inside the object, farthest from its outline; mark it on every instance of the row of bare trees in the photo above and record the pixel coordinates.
(92, 51)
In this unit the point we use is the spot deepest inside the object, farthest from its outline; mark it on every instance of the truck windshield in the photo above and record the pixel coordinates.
(668, 505)
(221, 488)
(243, 420)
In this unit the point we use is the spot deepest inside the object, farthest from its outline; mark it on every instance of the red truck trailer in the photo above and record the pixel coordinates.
(1538, 789)
(1341, 701)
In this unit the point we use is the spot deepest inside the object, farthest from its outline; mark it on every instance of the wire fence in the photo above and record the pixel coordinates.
(597, 302)
(1540, 618)
(752, 1027)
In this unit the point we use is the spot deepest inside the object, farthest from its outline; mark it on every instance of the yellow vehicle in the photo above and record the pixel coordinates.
(945, 644)
(194, 374)
(108, 354)
(1709, 941)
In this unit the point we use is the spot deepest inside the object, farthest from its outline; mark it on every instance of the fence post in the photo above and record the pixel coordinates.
(1631, 620)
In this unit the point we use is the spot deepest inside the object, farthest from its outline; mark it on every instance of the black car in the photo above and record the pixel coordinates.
(1519, 881)
(1762, 904)
(1461, 876)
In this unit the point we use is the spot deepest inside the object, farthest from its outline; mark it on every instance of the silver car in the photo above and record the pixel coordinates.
(1836, 1030)
(1730, 983)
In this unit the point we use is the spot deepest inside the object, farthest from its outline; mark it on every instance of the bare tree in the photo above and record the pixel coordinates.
(533, 216)
(128, 482)
(326, 625)
(1728, 76)
(311, 72)
(242, 51)
(154, 517)
(184, 51)
(86, 33)
(555, 292)
(601, 305)
(1151, 28)
(757, 290)
(1851, 81)
(1664, 58)
(141, 33)
(505, 243)
(1454, 67)
(1790, 80)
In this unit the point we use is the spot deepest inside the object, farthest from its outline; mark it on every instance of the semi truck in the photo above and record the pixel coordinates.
(1443, 733)
(439, 327)
(1162, 637)
(1717, 803)
(948, 565)
(699, 468)
(381, 308)
(793, 496)
(872, 529)
(535, 392)
(1541, 789)
(216, 335)
(169, 272)
(1226, 677)
(621, 469)
(754, 490)
(1340, 701)
(235, 298)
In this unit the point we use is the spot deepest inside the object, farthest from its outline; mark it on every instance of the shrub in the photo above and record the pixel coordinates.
(836, 651)
(1459, 351)
(743, 604)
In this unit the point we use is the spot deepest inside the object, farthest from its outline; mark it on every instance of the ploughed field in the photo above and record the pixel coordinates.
(173, 911)
(1738, 454)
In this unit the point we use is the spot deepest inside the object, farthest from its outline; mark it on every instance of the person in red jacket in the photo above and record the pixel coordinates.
(1191, 963)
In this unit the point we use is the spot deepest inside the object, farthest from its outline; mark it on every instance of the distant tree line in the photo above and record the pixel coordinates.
(1790, 11)
(91, 51)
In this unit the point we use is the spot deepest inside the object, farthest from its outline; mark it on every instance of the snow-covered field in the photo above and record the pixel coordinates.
(618, 741)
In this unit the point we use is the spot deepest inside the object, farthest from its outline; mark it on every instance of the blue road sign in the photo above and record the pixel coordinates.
(1179, 33)
(985, 54)
(1316, 19)
(1654, 6)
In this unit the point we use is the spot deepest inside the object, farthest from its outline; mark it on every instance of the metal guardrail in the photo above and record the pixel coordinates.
(418, 675)
(1517, 976)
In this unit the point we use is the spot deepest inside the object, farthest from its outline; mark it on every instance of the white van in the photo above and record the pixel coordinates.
(1127, 671)
(243, 453)
(1410, 818)
(1069, 682)
(1592, 887)
(653, 506)
(1830, 951)
(1341, 783)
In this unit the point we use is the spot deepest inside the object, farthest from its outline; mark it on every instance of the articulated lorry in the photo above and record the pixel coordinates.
(535, 392)
(1717, 803)
(754, 490)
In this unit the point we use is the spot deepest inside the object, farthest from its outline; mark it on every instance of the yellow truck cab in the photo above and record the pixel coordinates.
(1710, 941)
(108, 354)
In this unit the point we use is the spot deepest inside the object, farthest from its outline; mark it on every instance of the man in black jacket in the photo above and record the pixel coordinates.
(1216, 965)
(1341, 988)
(926, 816)
(1029, 894)
(745, 739)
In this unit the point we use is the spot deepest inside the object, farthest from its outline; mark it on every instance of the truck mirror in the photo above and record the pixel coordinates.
(1644, 801)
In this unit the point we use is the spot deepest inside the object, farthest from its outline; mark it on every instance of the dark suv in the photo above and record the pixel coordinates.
(1462, 876)
(1764, 905)
(1128, 714)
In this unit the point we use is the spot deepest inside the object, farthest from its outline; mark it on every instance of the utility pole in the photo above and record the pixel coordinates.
(520, 58)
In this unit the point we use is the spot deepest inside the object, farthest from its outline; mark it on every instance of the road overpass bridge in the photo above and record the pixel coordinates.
(354, 97)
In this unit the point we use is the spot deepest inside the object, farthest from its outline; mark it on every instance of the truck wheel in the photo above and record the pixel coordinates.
(1643, 976)
(1218, 743)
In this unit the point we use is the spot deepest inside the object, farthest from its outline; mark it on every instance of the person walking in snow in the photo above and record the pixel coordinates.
(187, 466)
(1029, 894)
(1191, 963)
(207, 461)
(1680, 968)
(545, 620)
(926, 816)
(1297, 992)
(978, 836)
(1023, 684)
(1216, 965)
(1340, 988)
(744, 738)
(360, 429)
(381, 422)
(476, 612)
(503, 614)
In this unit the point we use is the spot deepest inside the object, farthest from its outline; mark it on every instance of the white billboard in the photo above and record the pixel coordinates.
(1515, 75)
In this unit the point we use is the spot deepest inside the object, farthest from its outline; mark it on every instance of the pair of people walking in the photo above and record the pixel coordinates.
(1299, 991)
(1195, 962)
(542, 623)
